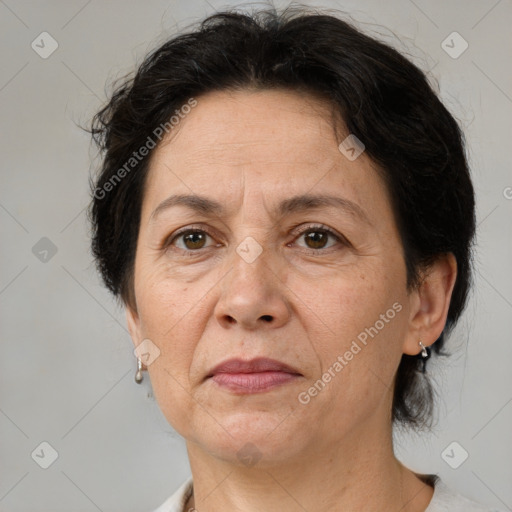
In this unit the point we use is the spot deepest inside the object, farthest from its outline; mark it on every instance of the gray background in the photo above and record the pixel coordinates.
(67, 365)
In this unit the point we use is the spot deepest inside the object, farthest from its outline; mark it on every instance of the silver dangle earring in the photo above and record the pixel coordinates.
(138, 375)
(425, 355)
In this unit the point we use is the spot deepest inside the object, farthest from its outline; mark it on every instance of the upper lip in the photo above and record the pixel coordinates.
(257, 365)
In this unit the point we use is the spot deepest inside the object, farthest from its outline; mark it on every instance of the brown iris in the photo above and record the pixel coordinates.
(316, 239)
(194, 240)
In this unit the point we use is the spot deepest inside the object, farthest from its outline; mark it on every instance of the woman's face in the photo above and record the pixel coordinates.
(296, 257)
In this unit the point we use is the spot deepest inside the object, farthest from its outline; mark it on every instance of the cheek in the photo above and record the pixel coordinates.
(170, 318)
(168, 313)
(163, 300)
(345, 303)
(360, 316)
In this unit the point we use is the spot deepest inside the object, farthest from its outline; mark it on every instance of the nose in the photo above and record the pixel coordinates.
(252, 296)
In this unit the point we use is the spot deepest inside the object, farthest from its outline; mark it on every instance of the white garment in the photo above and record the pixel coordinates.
(443, 500)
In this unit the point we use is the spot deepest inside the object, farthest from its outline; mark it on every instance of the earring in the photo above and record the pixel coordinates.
(425, 355)
(138, 375)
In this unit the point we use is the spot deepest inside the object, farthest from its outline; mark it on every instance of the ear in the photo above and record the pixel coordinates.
(430, 304)
(134, 327)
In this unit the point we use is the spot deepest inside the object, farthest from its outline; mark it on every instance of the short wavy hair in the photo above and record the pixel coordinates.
(383, 99)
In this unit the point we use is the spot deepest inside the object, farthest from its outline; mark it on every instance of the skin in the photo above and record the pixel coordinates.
(297, 302)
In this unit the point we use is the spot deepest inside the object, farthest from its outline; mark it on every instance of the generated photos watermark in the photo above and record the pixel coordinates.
(137, 156)
(304, 397)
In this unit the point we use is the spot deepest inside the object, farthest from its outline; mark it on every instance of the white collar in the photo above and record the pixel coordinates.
(444, 499)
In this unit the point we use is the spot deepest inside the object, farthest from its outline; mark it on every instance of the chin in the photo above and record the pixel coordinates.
(250, 439)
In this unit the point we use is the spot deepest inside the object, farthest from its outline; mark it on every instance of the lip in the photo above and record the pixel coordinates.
(254, 376)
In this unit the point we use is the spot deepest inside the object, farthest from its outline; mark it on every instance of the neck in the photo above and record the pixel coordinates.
(357, 476)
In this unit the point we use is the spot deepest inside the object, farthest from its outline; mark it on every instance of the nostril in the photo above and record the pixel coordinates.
(267, 318)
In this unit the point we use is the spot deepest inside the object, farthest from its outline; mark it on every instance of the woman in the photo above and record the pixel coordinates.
(285, 209)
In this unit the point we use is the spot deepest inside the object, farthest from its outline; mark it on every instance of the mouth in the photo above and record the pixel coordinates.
(254, 376)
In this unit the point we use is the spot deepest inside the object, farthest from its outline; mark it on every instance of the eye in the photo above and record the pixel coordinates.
(317, 238)
(189, 240)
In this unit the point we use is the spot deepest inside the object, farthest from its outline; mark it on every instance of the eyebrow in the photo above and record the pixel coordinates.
(296, 204)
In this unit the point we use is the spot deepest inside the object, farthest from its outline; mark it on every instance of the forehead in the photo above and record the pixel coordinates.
(275, 143)
(237, 125)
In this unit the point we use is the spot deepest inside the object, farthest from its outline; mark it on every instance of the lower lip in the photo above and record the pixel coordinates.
(246, 383)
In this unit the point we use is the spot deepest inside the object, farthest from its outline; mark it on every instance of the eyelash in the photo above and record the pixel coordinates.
(320, 228)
